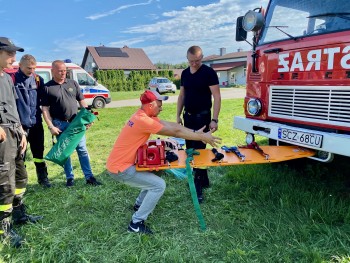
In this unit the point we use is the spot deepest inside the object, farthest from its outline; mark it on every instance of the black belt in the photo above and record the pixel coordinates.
(65, 120)
(10, 125)
(204, 112)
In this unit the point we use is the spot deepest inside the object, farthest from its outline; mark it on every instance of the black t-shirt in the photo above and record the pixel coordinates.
(196, 87)
(62, 99)
(8, 98)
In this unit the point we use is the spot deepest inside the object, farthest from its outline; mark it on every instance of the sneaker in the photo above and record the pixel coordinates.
(136, 207)
(139, 227)
(92, 181)
(70, 182)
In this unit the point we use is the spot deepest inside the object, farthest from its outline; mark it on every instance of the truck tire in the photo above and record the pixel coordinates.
(99, 103)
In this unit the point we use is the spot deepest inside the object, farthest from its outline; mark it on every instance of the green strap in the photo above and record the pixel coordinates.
(190, 153)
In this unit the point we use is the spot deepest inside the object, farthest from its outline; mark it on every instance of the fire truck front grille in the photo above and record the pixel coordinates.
(328, 105)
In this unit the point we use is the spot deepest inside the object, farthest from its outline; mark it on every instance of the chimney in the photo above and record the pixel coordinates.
(239, 49)
(222, 51)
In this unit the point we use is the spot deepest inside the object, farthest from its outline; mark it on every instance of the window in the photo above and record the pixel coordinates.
(85, 80)
(45, 75)
(286, 19)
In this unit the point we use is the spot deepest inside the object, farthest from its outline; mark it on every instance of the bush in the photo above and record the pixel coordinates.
(115, 80)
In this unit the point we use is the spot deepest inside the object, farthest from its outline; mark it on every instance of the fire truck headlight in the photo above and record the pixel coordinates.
(254, 107)
(253, 21)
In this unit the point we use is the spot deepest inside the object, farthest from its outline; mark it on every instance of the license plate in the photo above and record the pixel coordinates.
(310, 139)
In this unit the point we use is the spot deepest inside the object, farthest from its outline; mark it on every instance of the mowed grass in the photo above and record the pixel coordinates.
(289, 212)
(127, 95)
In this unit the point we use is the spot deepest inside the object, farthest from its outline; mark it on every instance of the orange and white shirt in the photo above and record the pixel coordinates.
(134, 134)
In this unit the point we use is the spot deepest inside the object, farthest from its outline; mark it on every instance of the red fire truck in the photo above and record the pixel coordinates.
(298, 75)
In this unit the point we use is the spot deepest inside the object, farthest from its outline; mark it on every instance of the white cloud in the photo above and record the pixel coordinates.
(69, 48)
(210, 26)
(112, 12)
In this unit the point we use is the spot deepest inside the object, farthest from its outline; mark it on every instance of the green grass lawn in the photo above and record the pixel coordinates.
(297, 211)
(126, 95)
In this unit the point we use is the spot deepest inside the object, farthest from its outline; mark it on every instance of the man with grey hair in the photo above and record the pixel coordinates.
(29, 87)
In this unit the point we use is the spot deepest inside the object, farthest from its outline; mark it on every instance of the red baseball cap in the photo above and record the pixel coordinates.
(149, 95)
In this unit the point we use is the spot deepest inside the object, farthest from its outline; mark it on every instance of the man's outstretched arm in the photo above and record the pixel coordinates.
(176, 130)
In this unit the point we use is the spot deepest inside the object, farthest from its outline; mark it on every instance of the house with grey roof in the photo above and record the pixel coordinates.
(230, 67)
(105, 58)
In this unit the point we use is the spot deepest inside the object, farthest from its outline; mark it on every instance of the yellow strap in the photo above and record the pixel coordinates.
(36, 160)
(1, 232)
(20, 191)
(5, 207)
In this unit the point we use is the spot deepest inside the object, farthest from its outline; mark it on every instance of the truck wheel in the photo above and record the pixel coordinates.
(99, 103)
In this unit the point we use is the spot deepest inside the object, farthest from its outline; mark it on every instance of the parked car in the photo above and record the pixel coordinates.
(162, 85)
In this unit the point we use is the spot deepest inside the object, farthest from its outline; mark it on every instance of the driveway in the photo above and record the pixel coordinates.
(231, 93)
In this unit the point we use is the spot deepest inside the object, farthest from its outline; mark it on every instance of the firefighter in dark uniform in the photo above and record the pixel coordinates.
(12, 146)
(199, 83)
(29, 88)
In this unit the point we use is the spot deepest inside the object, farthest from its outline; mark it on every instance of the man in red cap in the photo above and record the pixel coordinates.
(135, 133)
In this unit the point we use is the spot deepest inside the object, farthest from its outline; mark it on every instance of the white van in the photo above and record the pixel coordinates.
(95, 94)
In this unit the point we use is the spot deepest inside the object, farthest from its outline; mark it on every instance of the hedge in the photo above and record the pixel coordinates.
(115, 80)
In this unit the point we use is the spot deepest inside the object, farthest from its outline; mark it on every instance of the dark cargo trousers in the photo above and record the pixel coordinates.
(36, 141)
(12, 186)
(196, 121)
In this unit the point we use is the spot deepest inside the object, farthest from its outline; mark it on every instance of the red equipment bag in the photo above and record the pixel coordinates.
(152, 154)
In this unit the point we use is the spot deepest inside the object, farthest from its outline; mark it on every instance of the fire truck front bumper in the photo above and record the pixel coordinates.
(319, 140)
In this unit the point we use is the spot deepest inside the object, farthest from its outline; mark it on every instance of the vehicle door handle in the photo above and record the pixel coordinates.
(273, 50)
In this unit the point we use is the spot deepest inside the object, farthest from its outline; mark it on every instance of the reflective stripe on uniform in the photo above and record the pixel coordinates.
(19, 191)
(5, 207)
(37, 160)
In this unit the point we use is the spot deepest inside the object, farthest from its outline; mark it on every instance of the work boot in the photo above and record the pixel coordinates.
(7, 234)
(19, 216)
(41, 171)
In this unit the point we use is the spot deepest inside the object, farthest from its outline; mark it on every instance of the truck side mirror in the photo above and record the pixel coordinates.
(241, 34)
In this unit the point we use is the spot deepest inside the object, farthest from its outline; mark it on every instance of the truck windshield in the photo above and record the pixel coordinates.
(286, 19)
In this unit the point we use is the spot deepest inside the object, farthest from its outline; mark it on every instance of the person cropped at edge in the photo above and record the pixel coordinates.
(199, 83)
(59, 106)
(29, 88)
(13, 143)
(135, 133)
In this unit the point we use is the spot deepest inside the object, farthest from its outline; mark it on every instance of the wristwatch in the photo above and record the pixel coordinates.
(215, 120)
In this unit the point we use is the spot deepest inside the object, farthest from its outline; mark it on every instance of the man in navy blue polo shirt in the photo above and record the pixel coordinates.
(59, 103)
(29, 88)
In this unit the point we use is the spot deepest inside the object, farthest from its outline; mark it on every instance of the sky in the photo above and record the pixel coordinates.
(164, 29)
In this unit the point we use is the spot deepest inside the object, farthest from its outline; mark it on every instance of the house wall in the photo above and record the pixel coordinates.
(222, 77)
(237, 76)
